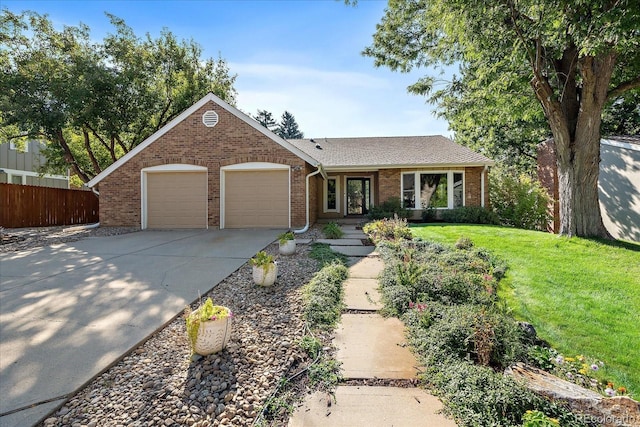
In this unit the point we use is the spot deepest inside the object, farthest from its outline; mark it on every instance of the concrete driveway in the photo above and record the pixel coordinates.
(67, 312)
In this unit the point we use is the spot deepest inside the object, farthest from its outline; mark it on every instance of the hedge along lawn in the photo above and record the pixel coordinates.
(582, 296)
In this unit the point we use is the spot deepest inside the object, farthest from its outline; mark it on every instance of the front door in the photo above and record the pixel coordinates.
(358, 196)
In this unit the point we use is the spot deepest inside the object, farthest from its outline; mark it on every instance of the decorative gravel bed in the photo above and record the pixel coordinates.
(160, 384)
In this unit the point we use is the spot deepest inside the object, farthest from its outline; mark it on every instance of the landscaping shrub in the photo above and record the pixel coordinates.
(423, 271)
(332, 231)
(446, 297)
(466, 332)
(464, 243)
(477, 396)
(518, 200)
(470, 215)
(429, 214)
(323, 296)
(390, 208)
(323, 253)
(393, 229)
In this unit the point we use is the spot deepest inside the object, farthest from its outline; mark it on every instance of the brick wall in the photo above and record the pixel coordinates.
(548, 177)
(473, 187)
(230, 142)
(389, 184)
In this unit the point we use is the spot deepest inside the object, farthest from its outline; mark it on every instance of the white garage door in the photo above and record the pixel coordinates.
(256, 199)
(177, 200)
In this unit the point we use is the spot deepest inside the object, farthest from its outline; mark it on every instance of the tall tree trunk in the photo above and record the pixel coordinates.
(575, 119)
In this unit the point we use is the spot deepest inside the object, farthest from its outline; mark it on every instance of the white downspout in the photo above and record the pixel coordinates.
(484, 171)
(306, 227)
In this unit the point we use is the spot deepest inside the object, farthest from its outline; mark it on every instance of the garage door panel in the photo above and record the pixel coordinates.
(177, 200)
(257, 199)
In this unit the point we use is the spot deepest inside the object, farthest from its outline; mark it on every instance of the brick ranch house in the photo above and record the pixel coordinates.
(214, 166)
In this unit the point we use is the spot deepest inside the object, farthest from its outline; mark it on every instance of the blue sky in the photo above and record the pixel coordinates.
(297, 55)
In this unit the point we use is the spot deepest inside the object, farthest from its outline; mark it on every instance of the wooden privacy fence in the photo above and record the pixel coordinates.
(30, 206)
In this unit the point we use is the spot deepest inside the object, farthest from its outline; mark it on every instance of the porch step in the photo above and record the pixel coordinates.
(353, 251)
(341, 242)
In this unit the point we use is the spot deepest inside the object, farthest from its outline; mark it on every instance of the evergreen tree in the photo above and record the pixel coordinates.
(288, 128)
(265, 118)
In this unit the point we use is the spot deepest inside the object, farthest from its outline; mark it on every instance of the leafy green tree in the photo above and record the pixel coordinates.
(266, 119)
(288, 127)
(574, 57)
(92, 102)
(622, 117)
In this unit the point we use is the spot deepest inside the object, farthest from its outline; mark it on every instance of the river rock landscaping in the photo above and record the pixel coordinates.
(161, 384)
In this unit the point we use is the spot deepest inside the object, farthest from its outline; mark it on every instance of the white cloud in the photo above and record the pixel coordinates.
(330, 103)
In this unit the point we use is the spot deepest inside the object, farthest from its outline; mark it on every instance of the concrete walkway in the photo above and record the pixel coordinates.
(370, 346)
(68, 311)
(351, 244)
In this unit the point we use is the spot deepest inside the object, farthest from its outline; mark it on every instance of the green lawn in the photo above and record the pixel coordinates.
(582, 296)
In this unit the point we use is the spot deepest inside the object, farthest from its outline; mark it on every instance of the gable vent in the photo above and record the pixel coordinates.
(210, 118)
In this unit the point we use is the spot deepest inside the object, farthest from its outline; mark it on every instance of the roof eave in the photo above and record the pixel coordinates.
(339, 168)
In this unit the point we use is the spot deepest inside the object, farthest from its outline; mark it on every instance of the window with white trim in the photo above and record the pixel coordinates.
(331, 191)
(439, 190)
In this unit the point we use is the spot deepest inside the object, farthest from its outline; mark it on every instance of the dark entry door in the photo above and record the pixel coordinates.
(358, 196)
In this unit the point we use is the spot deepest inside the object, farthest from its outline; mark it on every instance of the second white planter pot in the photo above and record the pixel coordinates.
(287, 248)
(265, 276)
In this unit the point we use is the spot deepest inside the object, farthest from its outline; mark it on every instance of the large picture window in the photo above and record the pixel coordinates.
(444, 190)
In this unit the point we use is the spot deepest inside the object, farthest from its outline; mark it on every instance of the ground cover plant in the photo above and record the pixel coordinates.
(462, 334)
(332, 231)
(322, 299)
(582, 296)
(322, 253)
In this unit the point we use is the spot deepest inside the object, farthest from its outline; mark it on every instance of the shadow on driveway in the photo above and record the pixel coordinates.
(70, 311)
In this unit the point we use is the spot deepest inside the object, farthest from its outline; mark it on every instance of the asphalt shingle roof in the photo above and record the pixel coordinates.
(435, 150)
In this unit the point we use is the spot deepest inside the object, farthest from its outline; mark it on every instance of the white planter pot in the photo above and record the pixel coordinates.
(213, 336)
(262, 278)
(287, 248)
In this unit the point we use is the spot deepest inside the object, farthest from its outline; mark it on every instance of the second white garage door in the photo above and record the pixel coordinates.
(177, 200)
(256, 199)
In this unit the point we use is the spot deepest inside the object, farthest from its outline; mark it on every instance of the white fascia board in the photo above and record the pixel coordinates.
(330, 169)
(210, 97)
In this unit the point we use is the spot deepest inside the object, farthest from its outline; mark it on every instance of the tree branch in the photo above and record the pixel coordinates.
(623, 87)
(68, 155)
(92, 157)
(161, 119)
(533, 59)
(103, 142)
(121, 144)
